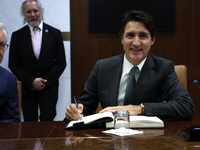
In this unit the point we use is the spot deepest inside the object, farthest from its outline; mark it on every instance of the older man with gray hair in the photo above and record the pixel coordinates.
(9, 102)
(37, 58)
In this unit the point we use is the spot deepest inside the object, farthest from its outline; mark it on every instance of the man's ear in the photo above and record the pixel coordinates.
(153, 41)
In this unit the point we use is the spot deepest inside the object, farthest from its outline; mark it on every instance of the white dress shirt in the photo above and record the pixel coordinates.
(126, 71)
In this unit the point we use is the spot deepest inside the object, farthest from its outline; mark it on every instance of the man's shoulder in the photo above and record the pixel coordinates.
(159, 63)
(6, 73)
(117, 58)
(21, 30)
(47, 26)
(114, 61)
(159, 60)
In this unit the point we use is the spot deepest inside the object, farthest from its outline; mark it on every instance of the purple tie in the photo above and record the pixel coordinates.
(36, 42)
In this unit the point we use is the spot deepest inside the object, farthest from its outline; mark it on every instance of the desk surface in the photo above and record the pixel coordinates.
(51, 136)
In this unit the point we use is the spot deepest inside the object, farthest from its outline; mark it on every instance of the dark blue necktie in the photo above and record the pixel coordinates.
(130, 86)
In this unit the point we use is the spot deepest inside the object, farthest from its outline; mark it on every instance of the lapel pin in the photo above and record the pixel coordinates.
(46, 30)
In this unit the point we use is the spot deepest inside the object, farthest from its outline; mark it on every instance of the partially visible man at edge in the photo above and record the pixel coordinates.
(157, 91)
(9, 101)
(37, 58)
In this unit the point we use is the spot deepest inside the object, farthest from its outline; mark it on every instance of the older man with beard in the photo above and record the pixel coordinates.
(37, 58)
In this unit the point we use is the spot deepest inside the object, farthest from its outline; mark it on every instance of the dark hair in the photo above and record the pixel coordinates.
(139, 16)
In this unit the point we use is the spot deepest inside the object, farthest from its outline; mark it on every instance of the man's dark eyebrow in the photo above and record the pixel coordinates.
(129, 33)
(144, 33)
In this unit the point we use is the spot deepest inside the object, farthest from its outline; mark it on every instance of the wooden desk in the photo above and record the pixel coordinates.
(52, 136)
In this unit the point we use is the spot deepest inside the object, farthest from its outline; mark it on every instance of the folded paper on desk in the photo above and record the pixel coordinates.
(107, 118)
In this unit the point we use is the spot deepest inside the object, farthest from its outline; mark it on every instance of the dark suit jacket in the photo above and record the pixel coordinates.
(51, 62)
(157, 82)
(9, 102)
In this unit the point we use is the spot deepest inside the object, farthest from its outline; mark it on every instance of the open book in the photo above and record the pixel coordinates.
(107, 118)
(91, 119)
(141, 122)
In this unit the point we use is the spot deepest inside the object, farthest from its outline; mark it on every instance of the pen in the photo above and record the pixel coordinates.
(76, 105)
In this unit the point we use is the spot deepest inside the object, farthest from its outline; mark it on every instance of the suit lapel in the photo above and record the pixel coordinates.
(44, 39)
(115, 75)
(27, 38)
(146, 75)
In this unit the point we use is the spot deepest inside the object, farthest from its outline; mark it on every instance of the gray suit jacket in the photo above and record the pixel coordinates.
(157, 82)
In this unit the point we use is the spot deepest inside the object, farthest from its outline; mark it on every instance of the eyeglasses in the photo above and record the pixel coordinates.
(3, 46)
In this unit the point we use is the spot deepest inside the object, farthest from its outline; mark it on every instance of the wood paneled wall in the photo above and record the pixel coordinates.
(181, 46)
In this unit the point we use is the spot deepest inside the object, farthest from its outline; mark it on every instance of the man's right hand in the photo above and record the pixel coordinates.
(73, 113)
(39, 84)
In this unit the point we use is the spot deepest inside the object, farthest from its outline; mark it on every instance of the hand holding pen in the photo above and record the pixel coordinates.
(74, 111)
(75, 101)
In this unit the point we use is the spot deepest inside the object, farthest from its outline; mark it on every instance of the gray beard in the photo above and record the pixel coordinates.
(34, 24)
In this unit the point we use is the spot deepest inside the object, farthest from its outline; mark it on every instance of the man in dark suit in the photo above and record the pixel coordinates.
(9, 102)
(37, 63)
(157, 91)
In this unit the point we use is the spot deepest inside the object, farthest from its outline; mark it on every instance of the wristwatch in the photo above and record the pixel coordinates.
(143, 108)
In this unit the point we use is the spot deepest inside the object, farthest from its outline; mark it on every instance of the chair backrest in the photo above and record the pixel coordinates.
(181, 71)
(19, 87)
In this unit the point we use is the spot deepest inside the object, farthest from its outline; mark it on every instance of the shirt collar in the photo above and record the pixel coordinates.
(40, 26)
(128, 66)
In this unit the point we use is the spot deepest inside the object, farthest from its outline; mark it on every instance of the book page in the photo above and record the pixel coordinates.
(145, 121)
(142, 122)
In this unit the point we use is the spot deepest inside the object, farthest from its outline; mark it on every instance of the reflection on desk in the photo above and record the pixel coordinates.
(51, 135)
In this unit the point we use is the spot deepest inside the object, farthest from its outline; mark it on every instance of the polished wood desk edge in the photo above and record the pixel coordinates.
(55, 129)
(51, 136)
